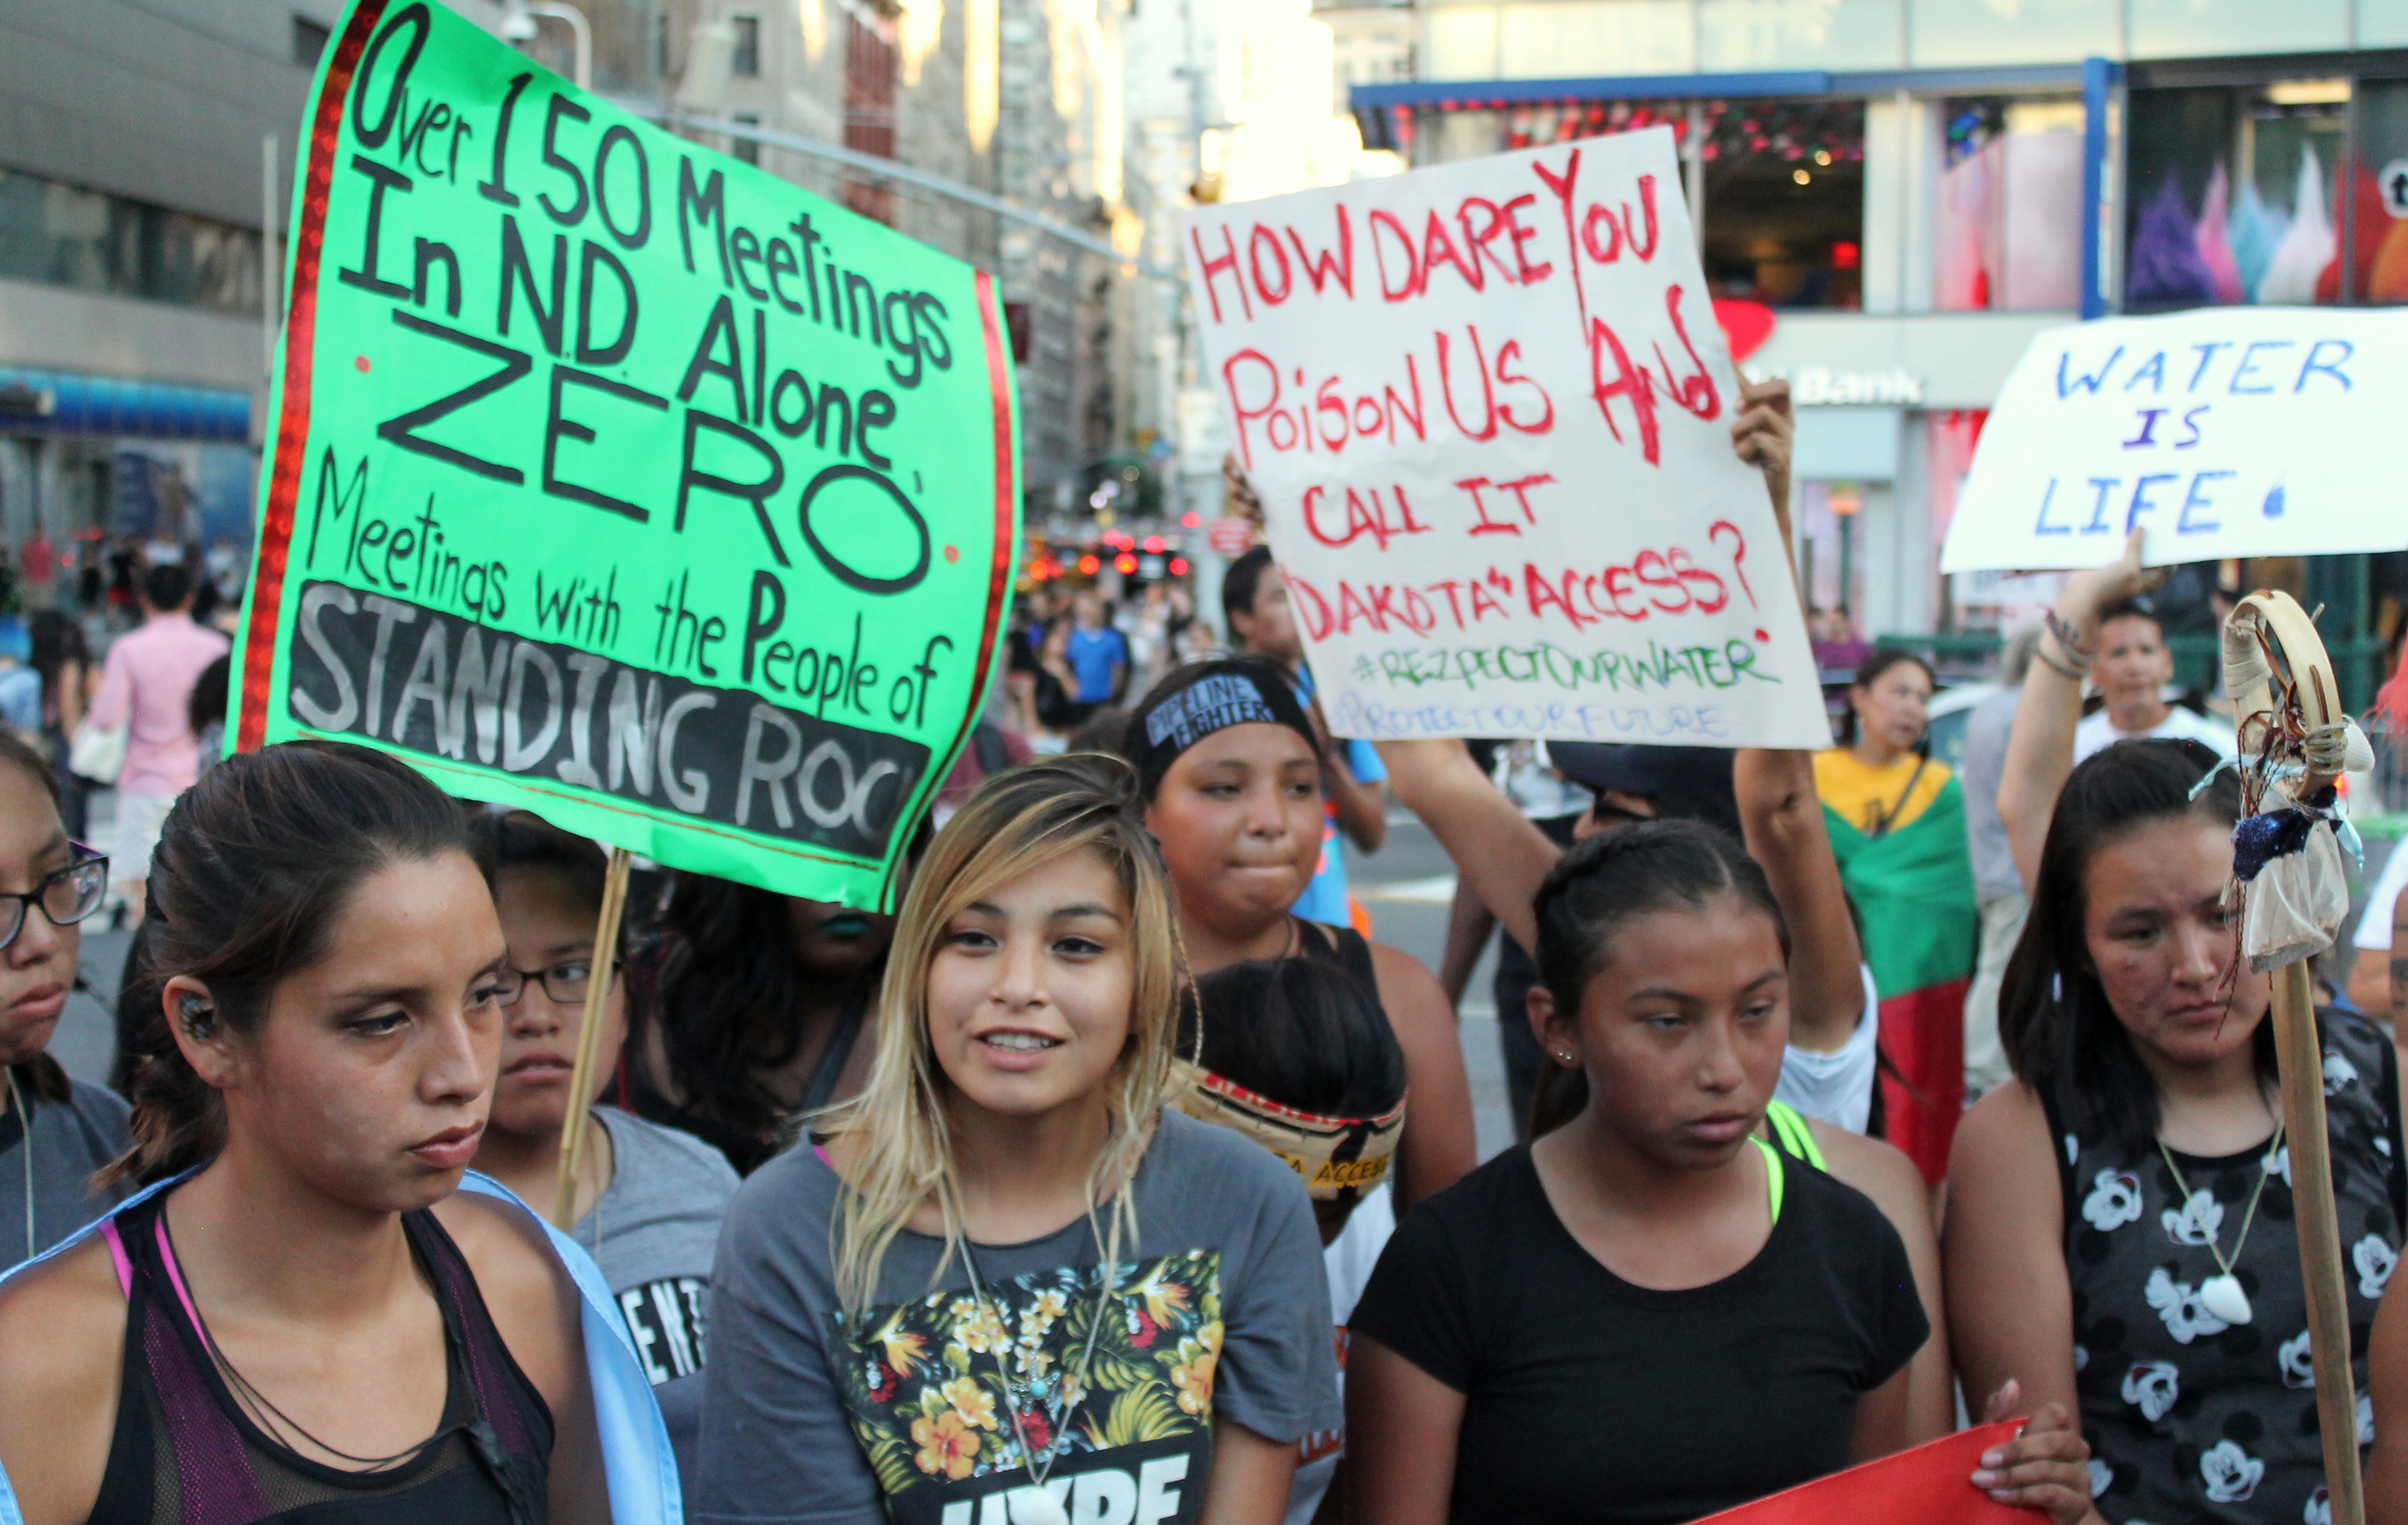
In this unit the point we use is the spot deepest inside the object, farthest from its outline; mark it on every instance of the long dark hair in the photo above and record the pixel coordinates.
(255, 862)
(1647, 866)
(721, 991)
(1304, 1033)
(39, 1075)
(56, 640)
(206, 703)
(2060, 1034)
(1869, 672)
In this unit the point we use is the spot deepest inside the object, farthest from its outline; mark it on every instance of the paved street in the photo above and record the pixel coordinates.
(1407, 886)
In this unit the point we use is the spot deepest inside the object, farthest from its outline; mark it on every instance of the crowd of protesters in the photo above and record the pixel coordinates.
(1119, 1174)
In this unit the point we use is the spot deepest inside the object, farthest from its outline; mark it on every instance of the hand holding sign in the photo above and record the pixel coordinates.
(1763, 434)
(1491, 420)
(2044, 1467)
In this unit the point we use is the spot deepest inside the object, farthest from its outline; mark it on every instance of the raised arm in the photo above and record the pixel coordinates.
(1779, 814)
(1468, 926)
(1496, 850)
(2040, 749)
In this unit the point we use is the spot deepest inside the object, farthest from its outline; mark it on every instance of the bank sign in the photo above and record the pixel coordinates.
(620, 480)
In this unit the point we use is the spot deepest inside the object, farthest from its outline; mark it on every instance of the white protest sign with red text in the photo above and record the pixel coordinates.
(1488, 413)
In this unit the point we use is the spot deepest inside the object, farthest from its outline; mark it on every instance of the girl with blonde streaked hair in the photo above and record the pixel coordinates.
(1004, 1272)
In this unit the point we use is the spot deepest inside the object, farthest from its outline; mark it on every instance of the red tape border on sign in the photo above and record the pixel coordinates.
(1925, 1486)
(293, 424)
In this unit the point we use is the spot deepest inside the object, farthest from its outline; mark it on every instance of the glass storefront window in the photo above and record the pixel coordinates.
(2382, 23)
(2204, 28)
(1785, 182)
(2379, 199)
(1738, 36)
(1445, 138)
(2009, 229)
(62, 234)
(1558, 39)
(1462, 41)
(2231, 195)
(1946, 34)
(1785, 201)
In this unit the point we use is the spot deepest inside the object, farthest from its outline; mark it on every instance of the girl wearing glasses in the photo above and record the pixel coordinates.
(649, 1198)
(312, 1314)
(54, 1132)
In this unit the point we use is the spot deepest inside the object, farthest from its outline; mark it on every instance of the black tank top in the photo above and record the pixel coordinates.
(185, 1453)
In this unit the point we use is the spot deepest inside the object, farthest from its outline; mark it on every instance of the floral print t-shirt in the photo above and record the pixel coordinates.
(2190, 1418)
(900, 1411)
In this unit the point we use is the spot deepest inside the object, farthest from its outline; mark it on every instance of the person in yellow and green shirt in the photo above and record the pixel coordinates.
(1897, 821)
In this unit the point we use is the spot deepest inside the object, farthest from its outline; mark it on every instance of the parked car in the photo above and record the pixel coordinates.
(1949, 711)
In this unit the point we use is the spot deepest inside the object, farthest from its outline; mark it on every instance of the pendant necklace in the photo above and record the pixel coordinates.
(2221, 1294)
(1036, 1505)
(273, 1421)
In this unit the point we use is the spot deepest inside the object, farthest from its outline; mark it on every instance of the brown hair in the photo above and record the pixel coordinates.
(254, 863)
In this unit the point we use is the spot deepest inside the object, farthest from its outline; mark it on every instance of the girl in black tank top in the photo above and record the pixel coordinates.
(286, 1330)
(1231, 769)
(188, 1448)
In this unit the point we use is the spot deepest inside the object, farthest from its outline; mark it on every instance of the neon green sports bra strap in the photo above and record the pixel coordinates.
(1794, 1134)
(1774, 1174)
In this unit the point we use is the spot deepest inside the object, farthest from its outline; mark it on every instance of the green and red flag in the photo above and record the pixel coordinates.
(1914, 891)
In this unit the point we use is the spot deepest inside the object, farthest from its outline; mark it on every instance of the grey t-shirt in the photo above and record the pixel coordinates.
(71, 1139)
(1979, 774)
(653, 1233)
(1223, 1309)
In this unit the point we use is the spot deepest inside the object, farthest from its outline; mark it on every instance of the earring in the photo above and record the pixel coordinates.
(199, 1016)
(1564, 1056)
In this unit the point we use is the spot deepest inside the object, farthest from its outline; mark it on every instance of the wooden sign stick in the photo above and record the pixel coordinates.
(2303, 1066)
(589, 1038)
(2300, 1055)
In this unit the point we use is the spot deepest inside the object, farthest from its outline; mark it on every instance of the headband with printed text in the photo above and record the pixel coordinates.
(1340, 1158)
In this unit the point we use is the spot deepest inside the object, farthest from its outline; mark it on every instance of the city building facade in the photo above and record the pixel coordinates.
(143, 149)
(1017, 99)
(1896, 195)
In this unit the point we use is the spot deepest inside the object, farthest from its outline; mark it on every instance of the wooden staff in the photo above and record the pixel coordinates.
(589, 1039)
(2300, 1055)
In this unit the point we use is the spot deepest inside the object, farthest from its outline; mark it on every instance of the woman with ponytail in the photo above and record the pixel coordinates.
(304, 1315)
(1004, 1283)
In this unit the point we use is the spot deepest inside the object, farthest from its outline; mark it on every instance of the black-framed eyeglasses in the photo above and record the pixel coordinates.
(566, 982)
(67, 896)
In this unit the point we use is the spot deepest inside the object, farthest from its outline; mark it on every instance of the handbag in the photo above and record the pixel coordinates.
(98, 752)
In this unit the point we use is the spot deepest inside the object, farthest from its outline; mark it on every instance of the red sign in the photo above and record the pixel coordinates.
(1232, 536)
(1930, 1485)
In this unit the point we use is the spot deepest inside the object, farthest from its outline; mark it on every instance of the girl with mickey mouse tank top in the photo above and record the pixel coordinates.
(2121, 1229)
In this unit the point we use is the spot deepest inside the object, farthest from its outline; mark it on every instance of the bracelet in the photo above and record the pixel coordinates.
(2076, 649)
(2061, 669)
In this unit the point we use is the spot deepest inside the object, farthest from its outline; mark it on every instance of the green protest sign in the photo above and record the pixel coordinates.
(620, 480)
